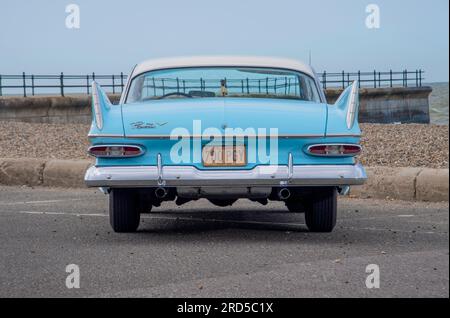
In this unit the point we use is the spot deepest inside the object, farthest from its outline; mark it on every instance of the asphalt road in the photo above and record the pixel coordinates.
(198, 249)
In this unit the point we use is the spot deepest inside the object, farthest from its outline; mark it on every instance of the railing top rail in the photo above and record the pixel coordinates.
(30, 84)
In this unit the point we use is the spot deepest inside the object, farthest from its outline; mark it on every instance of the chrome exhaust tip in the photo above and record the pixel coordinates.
(284, 194)
(344, 190)
(160, 193)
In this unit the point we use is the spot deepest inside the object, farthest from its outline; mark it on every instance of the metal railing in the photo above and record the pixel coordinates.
(26, 84)
(63, 84)
(373, 79)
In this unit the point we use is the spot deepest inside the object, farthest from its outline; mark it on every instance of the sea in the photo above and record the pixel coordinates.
(439, 103)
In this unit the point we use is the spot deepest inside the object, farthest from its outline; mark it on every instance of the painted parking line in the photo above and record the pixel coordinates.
(391, 230)
(172, 218)
(284, 224)
(38, 202)
(60, 213)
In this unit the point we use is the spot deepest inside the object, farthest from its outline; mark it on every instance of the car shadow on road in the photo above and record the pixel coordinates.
(212, 220)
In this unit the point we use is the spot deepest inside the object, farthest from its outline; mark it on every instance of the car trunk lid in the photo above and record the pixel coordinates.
(159, 118)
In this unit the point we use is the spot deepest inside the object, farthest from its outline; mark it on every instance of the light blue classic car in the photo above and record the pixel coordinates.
(224, 128)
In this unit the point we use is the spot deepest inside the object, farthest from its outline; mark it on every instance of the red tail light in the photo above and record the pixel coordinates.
(115, 151)
(335, 150)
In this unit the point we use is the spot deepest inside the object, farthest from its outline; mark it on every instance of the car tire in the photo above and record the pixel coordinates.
(124, 214)
(321, 213)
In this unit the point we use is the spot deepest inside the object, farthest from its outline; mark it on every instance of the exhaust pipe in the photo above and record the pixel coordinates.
(160, 193)
(284, 194)
(344, 190)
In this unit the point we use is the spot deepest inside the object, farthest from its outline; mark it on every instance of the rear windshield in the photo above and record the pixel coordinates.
(228, 82)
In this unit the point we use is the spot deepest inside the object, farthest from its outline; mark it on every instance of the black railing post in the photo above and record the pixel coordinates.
(113, 84)
(343, 79)
(375, 79)
(93, 76)
(417, 78)
(121, 80)
(285, 85)
(406, 78)
(87, 84)
(61, 82)
(379, 79)
(348, 79)
(390, 78)
(359, 79)
(248, 88)
(32, 85)
(324, 79)
(1, 93)
(24, 85)
(420, 78)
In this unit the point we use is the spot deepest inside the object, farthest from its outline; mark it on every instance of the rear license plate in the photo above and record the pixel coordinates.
(223, 156)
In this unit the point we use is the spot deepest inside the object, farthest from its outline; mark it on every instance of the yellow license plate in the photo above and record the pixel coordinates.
(223, 156)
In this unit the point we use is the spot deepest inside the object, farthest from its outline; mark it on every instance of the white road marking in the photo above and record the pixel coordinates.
(61, 213)
(390, 230)
(163, 218)
(173, 218)
(38, 202)
(377, 217)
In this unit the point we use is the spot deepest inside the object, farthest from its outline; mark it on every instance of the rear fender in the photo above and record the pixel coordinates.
(343, 114)
(106, 117)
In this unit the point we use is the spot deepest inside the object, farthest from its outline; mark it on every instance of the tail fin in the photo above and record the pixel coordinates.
(100, 104)
(348, 101)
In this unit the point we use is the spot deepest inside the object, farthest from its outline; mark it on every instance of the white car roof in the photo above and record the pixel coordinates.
(205, 61)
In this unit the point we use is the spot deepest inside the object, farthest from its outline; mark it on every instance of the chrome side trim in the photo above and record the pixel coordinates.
(342, 135)
(179, 176)
(200, 136)
(221, 136)
(105, 136)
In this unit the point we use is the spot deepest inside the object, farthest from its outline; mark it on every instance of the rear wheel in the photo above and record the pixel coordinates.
(321, 212)
(124, 214)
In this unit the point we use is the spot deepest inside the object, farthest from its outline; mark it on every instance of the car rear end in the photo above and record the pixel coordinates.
(223, 148)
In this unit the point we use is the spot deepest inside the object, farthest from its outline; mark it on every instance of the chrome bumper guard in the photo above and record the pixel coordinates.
(179, 176)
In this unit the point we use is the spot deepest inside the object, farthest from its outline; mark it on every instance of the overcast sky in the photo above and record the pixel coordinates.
(114, 35)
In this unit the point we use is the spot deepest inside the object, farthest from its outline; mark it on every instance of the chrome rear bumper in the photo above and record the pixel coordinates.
(179, 176)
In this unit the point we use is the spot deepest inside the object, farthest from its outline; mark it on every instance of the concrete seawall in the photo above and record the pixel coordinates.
(48, 109)
(378, 105)
(391, 105)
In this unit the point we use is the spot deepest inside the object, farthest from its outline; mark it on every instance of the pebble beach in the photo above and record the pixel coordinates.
(402, 145)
